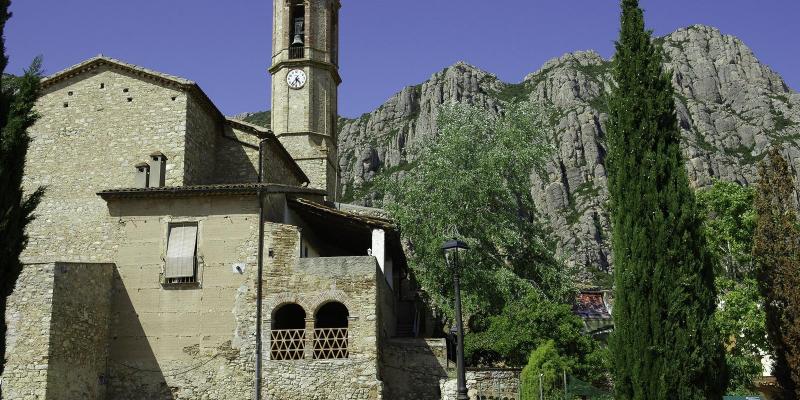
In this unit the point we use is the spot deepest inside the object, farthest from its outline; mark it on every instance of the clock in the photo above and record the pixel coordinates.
(296, 78)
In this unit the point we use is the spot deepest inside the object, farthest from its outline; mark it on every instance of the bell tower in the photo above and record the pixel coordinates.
(305, 83)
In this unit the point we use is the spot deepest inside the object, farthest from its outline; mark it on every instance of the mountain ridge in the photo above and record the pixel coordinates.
(730, 108)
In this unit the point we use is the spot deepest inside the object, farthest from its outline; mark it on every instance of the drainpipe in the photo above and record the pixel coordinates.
(259, 280)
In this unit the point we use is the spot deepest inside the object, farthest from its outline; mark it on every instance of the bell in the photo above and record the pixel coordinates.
(298, 28)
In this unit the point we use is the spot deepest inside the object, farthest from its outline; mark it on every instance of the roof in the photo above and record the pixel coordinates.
(591, 305)
(206, 190)
(329, 213)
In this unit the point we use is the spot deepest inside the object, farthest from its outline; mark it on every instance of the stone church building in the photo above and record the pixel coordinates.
(179, 254)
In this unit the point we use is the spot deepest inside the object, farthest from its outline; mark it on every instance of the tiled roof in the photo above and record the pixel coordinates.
(323, 210)
(206, 190)
(592, 305)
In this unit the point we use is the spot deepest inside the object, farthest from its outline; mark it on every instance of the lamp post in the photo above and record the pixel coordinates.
(452, 251)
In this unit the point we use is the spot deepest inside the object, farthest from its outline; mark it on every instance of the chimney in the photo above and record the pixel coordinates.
(142, 175)
(158, 169)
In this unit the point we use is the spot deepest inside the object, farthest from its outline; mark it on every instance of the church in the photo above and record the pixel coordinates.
(182, 254)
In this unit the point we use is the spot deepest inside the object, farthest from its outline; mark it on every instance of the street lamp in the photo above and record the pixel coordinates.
(453, 251)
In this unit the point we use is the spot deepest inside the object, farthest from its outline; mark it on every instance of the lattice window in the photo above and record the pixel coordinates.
(288, 344)
(330, 343)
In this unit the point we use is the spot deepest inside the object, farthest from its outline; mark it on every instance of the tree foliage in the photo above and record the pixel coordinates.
(545, 368)
(776, 254)
(474, 178)
(730, 221)
(17, 98)
(729, 216)
(665, 344)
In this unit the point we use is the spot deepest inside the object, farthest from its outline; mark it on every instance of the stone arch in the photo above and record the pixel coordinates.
(320, 299)
(275, 302)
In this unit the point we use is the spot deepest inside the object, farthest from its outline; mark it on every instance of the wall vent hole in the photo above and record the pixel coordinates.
(125, 90)
(130, 99)
(69, 93)
(66, 105)
(102, 86)
(174, 98)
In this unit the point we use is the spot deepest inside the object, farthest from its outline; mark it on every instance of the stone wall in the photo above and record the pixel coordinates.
(412, 368)
(203, 130)
(79, 331)
(89, 138)
(57, 332)
(488, 384)
(28, 315)
(312, 283)
(190, 341)
(236, 163)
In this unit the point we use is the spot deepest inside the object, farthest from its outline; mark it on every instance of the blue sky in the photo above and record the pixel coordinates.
(386, 45)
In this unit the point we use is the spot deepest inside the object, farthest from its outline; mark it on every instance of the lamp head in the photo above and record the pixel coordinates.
(453, 249)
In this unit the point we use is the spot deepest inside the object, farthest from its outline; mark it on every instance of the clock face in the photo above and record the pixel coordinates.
(296, 78)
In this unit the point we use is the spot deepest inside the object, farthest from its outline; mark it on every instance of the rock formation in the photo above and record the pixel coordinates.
(731, 108)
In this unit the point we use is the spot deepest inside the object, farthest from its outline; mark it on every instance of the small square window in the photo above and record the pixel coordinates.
(181, 260)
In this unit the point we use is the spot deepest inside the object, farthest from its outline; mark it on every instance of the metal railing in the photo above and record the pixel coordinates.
(297, 52)
(287, 344)
(330, 343)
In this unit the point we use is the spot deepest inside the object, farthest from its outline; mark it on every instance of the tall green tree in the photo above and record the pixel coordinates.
(665, 344)
(729, 221)
(776, 252)
(17, 98)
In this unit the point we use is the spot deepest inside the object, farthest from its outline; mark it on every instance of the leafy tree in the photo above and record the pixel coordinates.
(665, 344)
(523, 326)
(776, 253)
(17, 98)
(474, 177)
(730, 221)
(727, 208)
(545, 368)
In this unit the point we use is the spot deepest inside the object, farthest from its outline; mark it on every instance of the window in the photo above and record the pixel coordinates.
(297, 34)
(288, 336)
(330, 332)
(181, 266)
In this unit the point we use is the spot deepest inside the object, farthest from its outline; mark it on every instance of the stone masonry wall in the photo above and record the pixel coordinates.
(411, 368)
(79, 331)
(89, 138)
(237, 163)
(490, 384)
(312, 283)
(203, 129)
(193, 341)
(28, 315)
(57, 332)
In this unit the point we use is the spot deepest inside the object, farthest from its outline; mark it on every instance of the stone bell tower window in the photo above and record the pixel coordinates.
(297, 31)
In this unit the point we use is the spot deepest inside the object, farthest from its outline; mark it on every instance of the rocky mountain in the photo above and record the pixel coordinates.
(731, 108)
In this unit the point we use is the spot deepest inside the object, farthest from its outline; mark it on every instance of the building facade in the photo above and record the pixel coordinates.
(181, 254)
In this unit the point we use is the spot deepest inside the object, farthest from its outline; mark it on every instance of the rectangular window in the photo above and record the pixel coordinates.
(181, 254)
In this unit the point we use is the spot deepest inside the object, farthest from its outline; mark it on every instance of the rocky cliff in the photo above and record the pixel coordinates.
(730, 108)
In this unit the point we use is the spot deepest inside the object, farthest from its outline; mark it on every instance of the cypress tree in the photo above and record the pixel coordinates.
(665, 345)
(776, 252)
(17, 98)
